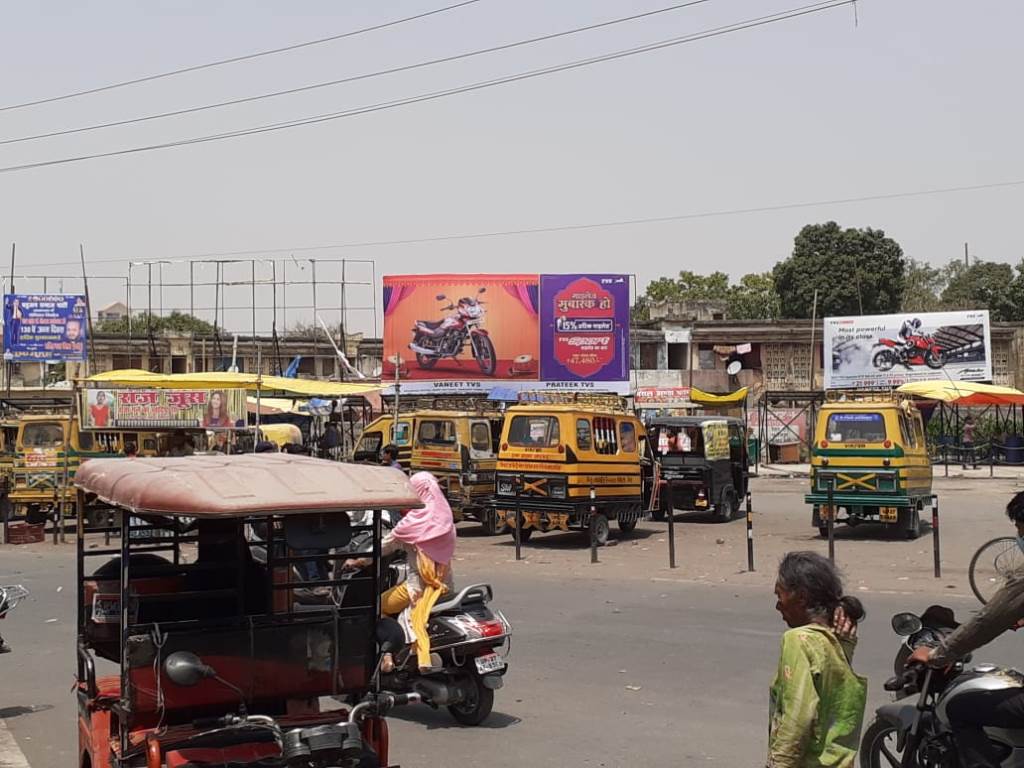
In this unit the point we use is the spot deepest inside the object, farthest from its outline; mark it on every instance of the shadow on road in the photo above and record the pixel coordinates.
(438, 719)
(9, 712)
(870, 532)
(579, 539)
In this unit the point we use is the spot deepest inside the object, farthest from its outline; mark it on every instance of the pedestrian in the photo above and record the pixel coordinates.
(389, 457)
(817, 700)
(131, 450)
(967, 442)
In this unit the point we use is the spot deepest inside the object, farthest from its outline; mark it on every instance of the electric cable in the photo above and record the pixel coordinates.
(235, 59)
(314, 119)
(351, 79)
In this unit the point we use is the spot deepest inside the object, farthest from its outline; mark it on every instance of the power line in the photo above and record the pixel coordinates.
(314, 119)
(236, 59)
(585, 226)
(351, 79)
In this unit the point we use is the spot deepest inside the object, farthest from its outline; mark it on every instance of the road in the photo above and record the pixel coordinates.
(622, 663)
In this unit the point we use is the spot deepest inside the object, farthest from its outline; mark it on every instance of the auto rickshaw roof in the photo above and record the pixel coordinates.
(553, 408)
(221, 486)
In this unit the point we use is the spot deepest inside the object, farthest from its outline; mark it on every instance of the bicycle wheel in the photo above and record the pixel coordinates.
(990, 565)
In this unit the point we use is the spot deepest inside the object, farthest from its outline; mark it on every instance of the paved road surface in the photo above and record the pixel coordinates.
(620, 664)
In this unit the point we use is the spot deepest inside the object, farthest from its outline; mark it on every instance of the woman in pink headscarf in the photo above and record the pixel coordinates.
(428, 537)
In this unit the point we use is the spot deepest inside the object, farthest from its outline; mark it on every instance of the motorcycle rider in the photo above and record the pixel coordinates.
(969, 713)
(911, 327)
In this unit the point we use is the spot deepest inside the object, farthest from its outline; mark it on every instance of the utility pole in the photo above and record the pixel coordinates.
(967, 256)
(814, 322)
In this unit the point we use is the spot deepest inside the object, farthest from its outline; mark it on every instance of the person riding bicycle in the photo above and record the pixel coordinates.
(970, 712)
(911, 328)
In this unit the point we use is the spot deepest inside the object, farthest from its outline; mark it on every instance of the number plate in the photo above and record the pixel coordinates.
(106, 609)
(492, 662)
(505, 488)
(888, 514)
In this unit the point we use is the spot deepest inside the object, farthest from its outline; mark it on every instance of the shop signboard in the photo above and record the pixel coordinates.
(163, 409)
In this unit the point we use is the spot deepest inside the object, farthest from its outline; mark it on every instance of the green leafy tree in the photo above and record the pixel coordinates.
(177, 322)
(923, 286)
(855, 271)
(753, 298)
(984, 285)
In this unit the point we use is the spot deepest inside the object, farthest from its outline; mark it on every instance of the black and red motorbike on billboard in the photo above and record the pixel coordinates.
(438, 340)
(917, 350)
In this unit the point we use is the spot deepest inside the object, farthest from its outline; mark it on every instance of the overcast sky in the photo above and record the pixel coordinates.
(918, 95)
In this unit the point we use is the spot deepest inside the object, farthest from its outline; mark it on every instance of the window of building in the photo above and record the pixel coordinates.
(678, 357)
(648, 357)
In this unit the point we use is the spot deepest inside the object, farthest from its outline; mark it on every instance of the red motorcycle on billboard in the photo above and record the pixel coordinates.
(438, 340)
(919, 349)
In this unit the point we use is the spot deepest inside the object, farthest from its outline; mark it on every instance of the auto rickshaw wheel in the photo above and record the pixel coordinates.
(477, 706)
(727, 506)
(524, 534)
(599, 529)
(627, 526)
(490, 524)
(910, 522)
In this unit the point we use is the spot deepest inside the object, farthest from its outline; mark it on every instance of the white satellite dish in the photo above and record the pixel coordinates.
(734, 368)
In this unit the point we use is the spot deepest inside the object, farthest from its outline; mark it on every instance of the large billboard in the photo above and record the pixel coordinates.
(44, 328)
(890, 350)
(214, 409)
(474, 333)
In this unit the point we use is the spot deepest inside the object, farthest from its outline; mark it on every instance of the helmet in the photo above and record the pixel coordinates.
(916, 322)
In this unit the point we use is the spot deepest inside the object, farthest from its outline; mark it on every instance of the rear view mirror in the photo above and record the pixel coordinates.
(906, 624)
(186, 669)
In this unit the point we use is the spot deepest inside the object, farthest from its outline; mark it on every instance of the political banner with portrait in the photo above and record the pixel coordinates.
(44, 328)
(163, 409)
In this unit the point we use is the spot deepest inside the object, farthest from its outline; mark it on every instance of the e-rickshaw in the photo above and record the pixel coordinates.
(459, 447)
(871, 448)
(703, 462)
(573, 463)
(217, 661)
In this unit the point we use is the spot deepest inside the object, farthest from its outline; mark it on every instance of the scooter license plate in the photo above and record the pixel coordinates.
(492, 662)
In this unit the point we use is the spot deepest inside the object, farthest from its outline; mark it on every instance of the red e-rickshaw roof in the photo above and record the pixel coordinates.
(220, 486)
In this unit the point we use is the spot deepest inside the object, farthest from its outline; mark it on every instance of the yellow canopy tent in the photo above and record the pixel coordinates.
(249, 381)
(963, 393)
(733, 399)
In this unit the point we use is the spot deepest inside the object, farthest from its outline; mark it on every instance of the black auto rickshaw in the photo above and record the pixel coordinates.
(703, 461)
(217, 661)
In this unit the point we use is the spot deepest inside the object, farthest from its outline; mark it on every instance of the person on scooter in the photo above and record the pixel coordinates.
(428, 537)
(969, 713)
(817, 700)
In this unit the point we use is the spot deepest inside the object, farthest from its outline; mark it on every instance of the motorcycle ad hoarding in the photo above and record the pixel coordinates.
(475, 333)
(891, 350)
(44, 328)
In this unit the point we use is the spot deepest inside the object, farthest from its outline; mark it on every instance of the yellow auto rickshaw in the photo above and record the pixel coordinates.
(871, 449)
(573, 462)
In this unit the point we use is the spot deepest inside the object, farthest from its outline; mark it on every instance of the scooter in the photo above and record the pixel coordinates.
(438, 340)
(889, 353)
(918, 735)
(10, 596)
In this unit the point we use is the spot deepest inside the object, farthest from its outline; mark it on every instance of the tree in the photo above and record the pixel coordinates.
(923, 286)
(855, 271)
(984, 284)
(753, 298)
(142, 322)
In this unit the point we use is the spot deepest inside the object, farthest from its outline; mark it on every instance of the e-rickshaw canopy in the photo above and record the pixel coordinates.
(131, 377)
(964, 393)
(220, 486)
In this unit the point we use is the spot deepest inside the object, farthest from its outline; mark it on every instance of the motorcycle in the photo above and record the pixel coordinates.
(434, 341)
(469, 643)
(919, 735)
(891, 352)
(10, 596)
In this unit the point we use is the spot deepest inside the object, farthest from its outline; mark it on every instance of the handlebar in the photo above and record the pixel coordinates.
(903, 680)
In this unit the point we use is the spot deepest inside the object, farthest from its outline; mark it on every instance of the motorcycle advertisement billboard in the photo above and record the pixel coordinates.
(44, 327)
(891, 350)
(477, 332)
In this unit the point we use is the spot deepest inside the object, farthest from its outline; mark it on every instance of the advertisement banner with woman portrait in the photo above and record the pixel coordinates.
(163, 409)
(478, 333)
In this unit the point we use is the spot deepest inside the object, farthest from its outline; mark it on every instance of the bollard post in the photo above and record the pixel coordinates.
(991, 460)
(518, 531)
(945, 458)
(935, 536)
(667, 488)
(750, 534)
(593, 538)
(831, 520)
(56, 522)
